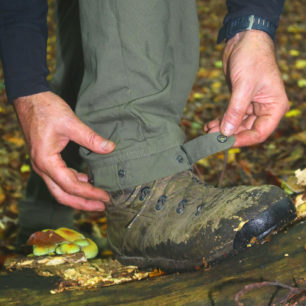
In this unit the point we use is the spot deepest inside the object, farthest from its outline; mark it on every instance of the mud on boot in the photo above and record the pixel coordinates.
(176, 222)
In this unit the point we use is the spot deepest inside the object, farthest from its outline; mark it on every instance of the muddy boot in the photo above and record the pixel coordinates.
(178, 222)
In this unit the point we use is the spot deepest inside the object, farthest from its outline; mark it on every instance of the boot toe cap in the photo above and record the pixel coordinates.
(275, 217)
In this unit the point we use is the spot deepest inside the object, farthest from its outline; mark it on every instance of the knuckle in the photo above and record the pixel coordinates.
(40, 164)
(34, 167)
(70, 187)
(92, 137)
(33, 153)
(236, 112)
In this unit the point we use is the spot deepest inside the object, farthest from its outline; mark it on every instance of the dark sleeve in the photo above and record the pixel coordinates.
(23, 42)
(265, 11)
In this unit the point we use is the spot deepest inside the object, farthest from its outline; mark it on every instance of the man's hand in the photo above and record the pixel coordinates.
(258, 100)
(48, 125)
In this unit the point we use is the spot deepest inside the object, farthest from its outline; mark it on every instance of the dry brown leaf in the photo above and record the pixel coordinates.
(301, 176)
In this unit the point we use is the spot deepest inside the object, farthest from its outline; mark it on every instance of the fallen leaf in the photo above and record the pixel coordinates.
(300, 64)
(25, 168)
(293, 113)
(294, 52)
(302, 83)
(301, 176)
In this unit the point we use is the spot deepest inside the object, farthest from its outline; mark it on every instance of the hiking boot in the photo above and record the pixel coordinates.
(178, 222)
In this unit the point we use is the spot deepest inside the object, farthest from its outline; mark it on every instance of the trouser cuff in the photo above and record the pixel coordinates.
(112, 174)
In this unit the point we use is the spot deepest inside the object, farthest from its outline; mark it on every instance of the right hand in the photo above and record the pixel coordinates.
(48, 124)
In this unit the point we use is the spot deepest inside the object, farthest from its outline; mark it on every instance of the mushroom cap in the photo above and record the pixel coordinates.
(67, 248)
(91, 250)
(45, 238)
(69, 234)
(40, 250)
(82, 242)
(62, 241)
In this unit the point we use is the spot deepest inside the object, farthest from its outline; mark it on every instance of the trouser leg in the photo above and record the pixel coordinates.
(39, 209)
(141, 58)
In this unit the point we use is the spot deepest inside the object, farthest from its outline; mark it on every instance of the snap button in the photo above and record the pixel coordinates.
(180, 159)
(121, 173)
(222, 138)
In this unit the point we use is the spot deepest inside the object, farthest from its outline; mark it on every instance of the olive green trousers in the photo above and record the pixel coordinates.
(127, 67)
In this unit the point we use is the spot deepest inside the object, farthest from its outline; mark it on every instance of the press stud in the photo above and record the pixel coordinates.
(222, 138)
(180, 159)
(121, 173)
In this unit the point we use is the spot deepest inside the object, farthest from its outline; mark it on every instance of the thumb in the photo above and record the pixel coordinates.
(237, 108)
(86, 137)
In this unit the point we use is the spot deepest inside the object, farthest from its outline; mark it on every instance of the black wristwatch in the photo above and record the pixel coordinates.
(245, 23)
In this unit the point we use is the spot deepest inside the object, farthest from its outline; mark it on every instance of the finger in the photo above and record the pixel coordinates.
(81, 176)
(214, 130)
(71, 200)
(246, 124)
(250, 109)
(262, 128)
(211, 124)
(86, 137)
(237, 108)
(67, 180)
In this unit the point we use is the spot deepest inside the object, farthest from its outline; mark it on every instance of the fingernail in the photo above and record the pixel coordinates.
(228, 129)
(107, 145)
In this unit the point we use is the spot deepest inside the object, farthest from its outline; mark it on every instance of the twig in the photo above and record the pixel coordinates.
(292, 290)
(196, 169)
(223, 168)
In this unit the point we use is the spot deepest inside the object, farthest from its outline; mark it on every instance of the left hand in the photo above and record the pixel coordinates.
(258, 100)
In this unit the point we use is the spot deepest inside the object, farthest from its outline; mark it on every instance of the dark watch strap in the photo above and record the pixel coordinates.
(245, 23)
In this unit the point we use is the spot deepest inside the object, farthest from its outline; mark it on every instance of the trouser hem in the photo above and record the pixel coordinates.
(136, 171)
(114, 174)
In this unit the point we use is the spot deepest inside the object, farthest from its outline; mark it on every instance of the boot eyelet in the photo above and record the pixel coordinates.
(161, 202)
(181, 206)
(144, 192)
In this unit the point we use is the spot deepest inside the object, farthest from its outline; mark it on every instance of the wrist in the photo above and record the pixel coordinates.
(26, 106)
(246, 23)
(21, 104)
(30, 99)
(252, 38)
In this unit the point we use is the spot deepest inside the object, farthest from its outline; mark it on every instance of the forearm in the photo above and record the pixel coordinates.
(23, 39)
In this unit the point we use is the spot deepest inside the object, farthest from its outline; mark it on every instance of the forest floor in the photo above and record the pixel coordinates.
(271, 162)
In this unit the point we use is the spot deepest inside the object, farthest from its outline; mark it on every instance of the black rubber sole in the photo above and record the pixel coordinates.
(274, 218)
